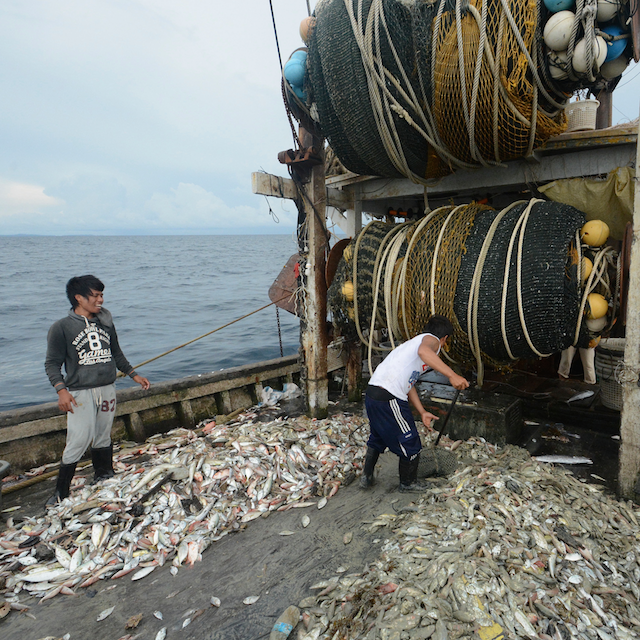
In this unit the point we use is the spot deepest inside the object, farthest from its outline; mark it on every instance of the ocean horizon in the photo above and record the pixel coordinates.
(162, 290)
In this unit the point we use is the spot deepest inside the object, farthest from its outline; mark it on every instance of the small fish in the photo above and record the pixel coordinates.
(158, 614)
(105, 614)
(138, 575)
(305, 520)
(580, 396)
(251, 600)
(286, 533)
(322, 503)
(563, 459)
(10, 509)
(162, 634)
(215, 601)
(348, 537)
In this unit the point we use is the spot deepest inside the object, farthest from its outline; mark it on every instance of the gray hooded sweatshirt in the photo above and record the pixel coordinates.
(88, 349)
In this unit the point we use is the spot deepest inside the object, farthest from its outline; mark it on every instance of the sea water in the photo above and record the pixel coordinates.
(161, 290)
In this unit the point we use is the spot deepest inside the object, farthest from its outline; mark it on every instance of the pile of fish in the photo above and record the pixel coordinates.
(505, 547)
(174, 495)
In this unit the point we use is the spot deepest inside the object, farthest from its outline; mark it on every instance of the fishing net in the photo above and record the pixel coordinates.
(508, 280)
(419, 88)
(437, 462)
(340, 77)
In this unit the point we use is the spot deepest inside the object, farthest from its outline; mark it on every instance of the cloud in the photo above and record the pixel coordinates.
(190, 206)
(19, 198)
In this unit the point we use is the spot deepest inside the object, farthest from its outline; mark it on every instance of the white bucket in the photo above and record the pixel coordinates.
(581, 115)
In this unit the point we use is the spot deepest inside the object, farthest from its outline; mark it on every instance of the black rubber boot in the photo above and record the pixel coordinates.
(102, 460)
(366, 479)
(65, 476)
(408, 472)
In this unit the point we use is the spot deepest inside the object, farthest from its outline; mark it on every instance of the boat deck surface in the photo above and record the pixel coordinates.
(258, 561)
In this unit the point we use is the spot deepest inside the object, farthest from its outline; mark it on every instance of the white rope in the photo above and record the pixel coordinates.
(505, 285)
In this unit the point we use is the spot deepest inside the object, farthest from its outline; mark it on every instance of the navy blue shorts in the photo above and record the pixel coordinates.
(392, 427)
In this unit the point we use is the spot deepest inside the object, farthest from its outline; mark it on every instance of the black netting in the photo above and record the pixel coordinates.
(344, 106)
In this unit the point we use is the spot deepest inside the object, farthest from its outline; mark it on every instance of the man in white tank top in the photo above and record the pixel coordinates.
(391, 389)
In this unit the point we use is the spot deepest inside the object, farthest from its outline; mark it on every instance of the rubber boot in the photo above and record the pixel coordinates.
(366, 479)
(65, 476)
(408, 472)
(102, 460)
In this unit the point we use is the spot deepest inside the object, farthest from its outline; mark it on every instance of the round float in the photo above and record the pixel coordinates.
(557, 31)
(580, 62)
(597, 306)
(594, 233)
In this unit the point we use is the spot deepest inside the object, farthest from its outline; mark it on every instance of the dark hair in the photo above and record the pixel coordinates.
(439, 326)
(82, 286)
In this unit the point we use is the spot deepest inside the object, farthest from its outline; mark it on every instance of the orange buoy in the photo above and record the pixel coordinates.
(595, 233)
(587, 267)
(597, 306)
(305, 28)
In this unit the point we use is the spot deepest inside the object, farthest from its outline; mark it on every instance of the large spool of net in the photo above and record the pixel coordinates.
(341, 90)
(470, 254)
(442, 106)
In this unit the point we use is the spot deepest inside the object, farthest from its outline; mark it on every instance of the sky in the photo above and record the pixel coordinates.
(149, 116)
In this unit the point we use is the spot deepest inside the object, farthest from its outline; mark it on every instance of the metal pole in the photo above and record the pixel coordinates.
(629, 460)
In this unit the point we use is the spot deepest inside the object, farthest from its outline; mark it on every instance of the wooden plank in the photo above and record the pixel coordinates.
(266, 184)
(580, 163)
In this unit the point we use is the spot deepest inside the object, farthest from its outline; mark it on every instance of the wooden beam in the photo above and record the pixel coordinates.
(266, 184)
(629, 460)
(314, 331)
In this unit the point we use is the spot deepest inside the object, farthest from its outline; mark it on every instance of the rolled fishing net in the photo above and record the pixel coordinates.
(418, 88)
(508, 280)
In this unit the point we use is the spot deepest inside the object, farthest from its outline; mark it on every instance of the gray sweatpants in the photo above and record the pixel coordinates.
(90, 422)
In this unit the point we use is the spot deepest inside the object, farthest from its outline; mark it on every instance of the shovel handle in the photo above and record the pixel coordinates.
(446, 418)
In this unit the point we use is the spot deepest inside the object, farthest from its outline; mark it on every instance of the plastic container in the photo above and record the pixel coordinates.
(609, 354)
(581, 115)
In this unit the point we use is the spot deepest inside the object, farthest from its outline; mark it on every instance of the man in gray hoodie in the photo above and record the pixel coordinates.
(86, 343)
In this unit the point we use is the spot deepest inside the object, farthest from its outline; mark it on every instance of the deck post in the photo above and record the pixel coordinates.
(314, 338)
(354, 371)
(629, 460)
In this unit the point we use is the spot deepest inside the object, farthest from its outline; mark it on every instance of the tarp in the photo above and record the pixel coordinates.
(609, 199)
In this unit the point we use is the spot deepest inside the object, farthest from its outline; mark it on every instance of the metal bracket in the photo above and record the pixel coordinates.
(300, 158)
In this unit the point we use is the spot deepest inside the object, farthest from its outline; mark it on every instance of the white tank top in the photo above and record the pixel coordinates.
(400, 370)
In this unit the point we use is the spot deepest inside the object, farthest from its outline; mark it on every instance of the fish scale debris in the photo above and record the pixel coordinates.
(225, 476)
(505, 547)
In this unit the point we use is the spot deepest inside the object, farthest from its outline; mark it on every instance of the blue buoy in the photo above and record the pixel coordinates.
(294, 72)
(300, 93)
(299, 55)
(615, 48)
(559, 5)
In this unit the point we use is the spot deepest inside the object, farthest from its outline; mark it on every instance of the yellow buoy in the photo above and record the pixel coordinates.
(597, 306)
(347, 290)
(587, 266)
(595, 233)
(305, 28)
